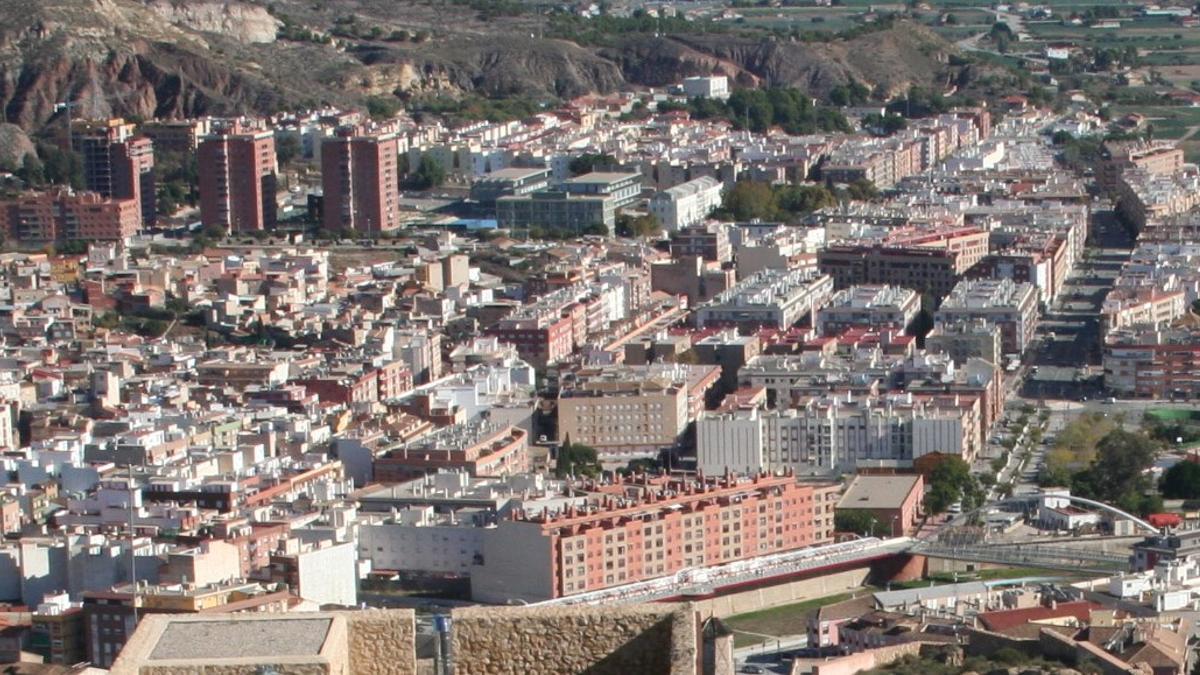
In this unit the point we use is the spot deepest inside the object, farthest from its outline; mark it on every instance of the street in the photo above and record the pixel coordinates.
(1065, 360)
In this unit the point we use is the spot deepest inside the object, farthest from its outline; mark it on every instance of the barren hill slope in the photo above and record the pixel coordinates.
(175, 58)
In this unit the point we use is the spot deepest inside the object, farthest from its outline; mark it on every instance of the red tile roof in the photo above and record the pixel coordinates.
(1003, 619)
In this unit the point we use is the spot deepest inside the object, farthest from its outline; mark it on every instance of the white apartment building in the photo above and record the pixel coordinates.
(777, 298)
(713, 86)
(1011, 307)
(832, 436)
(418, 540)
(687, 203)
(874, 307)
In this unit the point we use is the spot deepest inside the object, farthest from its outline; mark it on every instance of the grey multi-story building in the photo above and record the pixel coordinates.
(556, 210)
(511, 182)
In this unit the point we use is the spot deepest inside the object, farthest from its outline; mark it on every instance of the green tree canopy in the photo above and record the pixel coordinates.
(575, 459)
(748, 200)
(429, 174)
(588, 163)
(859, 522)
(951, 481)
(1181, 481)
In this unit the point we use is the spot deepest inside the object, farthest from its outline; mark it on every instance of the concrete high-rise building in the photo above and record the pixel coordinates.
(361, 180)
(238, 180)
(118, 165)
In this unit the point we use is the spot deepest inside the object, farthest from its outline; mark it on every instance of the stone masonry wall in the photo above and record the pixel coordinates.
(382, 641)
(859, 661)
(619, 640)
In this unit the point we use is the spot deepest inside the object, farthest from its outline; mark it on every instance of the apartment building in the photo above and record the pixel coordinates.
(931, 264)
(1155, 303)
(774, 298)
(692, 276)
(1161, 157)
(649, 527)
(881, 162)
(179, 136)
(238, 179)
(1144, 198)
(711, 86)
(480, 447)
(778, 248)
(708, 242)
(872, 307)
(63, 215)
(964, 340)
(1010, 307)
(541, 338)
(632, 410)
(360, 180)
(1145, 362)
(687, 203)
(117, 164)
(831, 435)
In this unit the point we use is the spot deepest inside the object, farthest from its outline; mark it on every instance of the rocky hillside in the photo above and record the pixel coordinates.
(176, 58)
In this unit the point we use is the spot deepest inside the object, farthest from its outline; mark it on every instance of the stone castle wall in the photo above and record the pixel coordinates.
(381, 642)
(566, 640)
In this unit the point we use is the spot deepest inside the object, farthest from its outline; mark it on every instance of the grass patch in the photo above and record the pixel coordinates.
(1173, 414)
(783, 620)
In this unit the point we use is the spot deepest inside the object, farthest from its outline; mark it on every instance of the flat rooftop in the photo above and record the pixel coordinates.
(603, 177)
(877, 492)
(241, 639)
(511, 173)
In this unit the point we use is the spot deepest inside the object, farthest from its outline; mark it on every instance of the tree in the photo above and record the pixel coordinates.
(640, 465)
(951, 481)
(885, 125)
(382, 107)
(587, 163)
(804, 198)
(31, 171)
(1121, 458)
(287, 147)
(62, 167)
(638, 226)
(429, 174)
(858, 522)
(862, 191)
(575, 459)
(1181, 481)
(748, 200)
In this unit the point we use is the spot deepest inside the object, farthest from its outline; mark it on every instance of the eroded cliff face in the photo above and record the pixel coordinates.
(171, 58)
(236, 20)
(893, 59)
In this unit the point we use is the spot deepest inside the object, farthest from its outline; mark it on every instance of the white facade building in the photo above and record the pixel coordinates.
(829, 437)
(713, 86)
(687, 203)
(418, 540)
